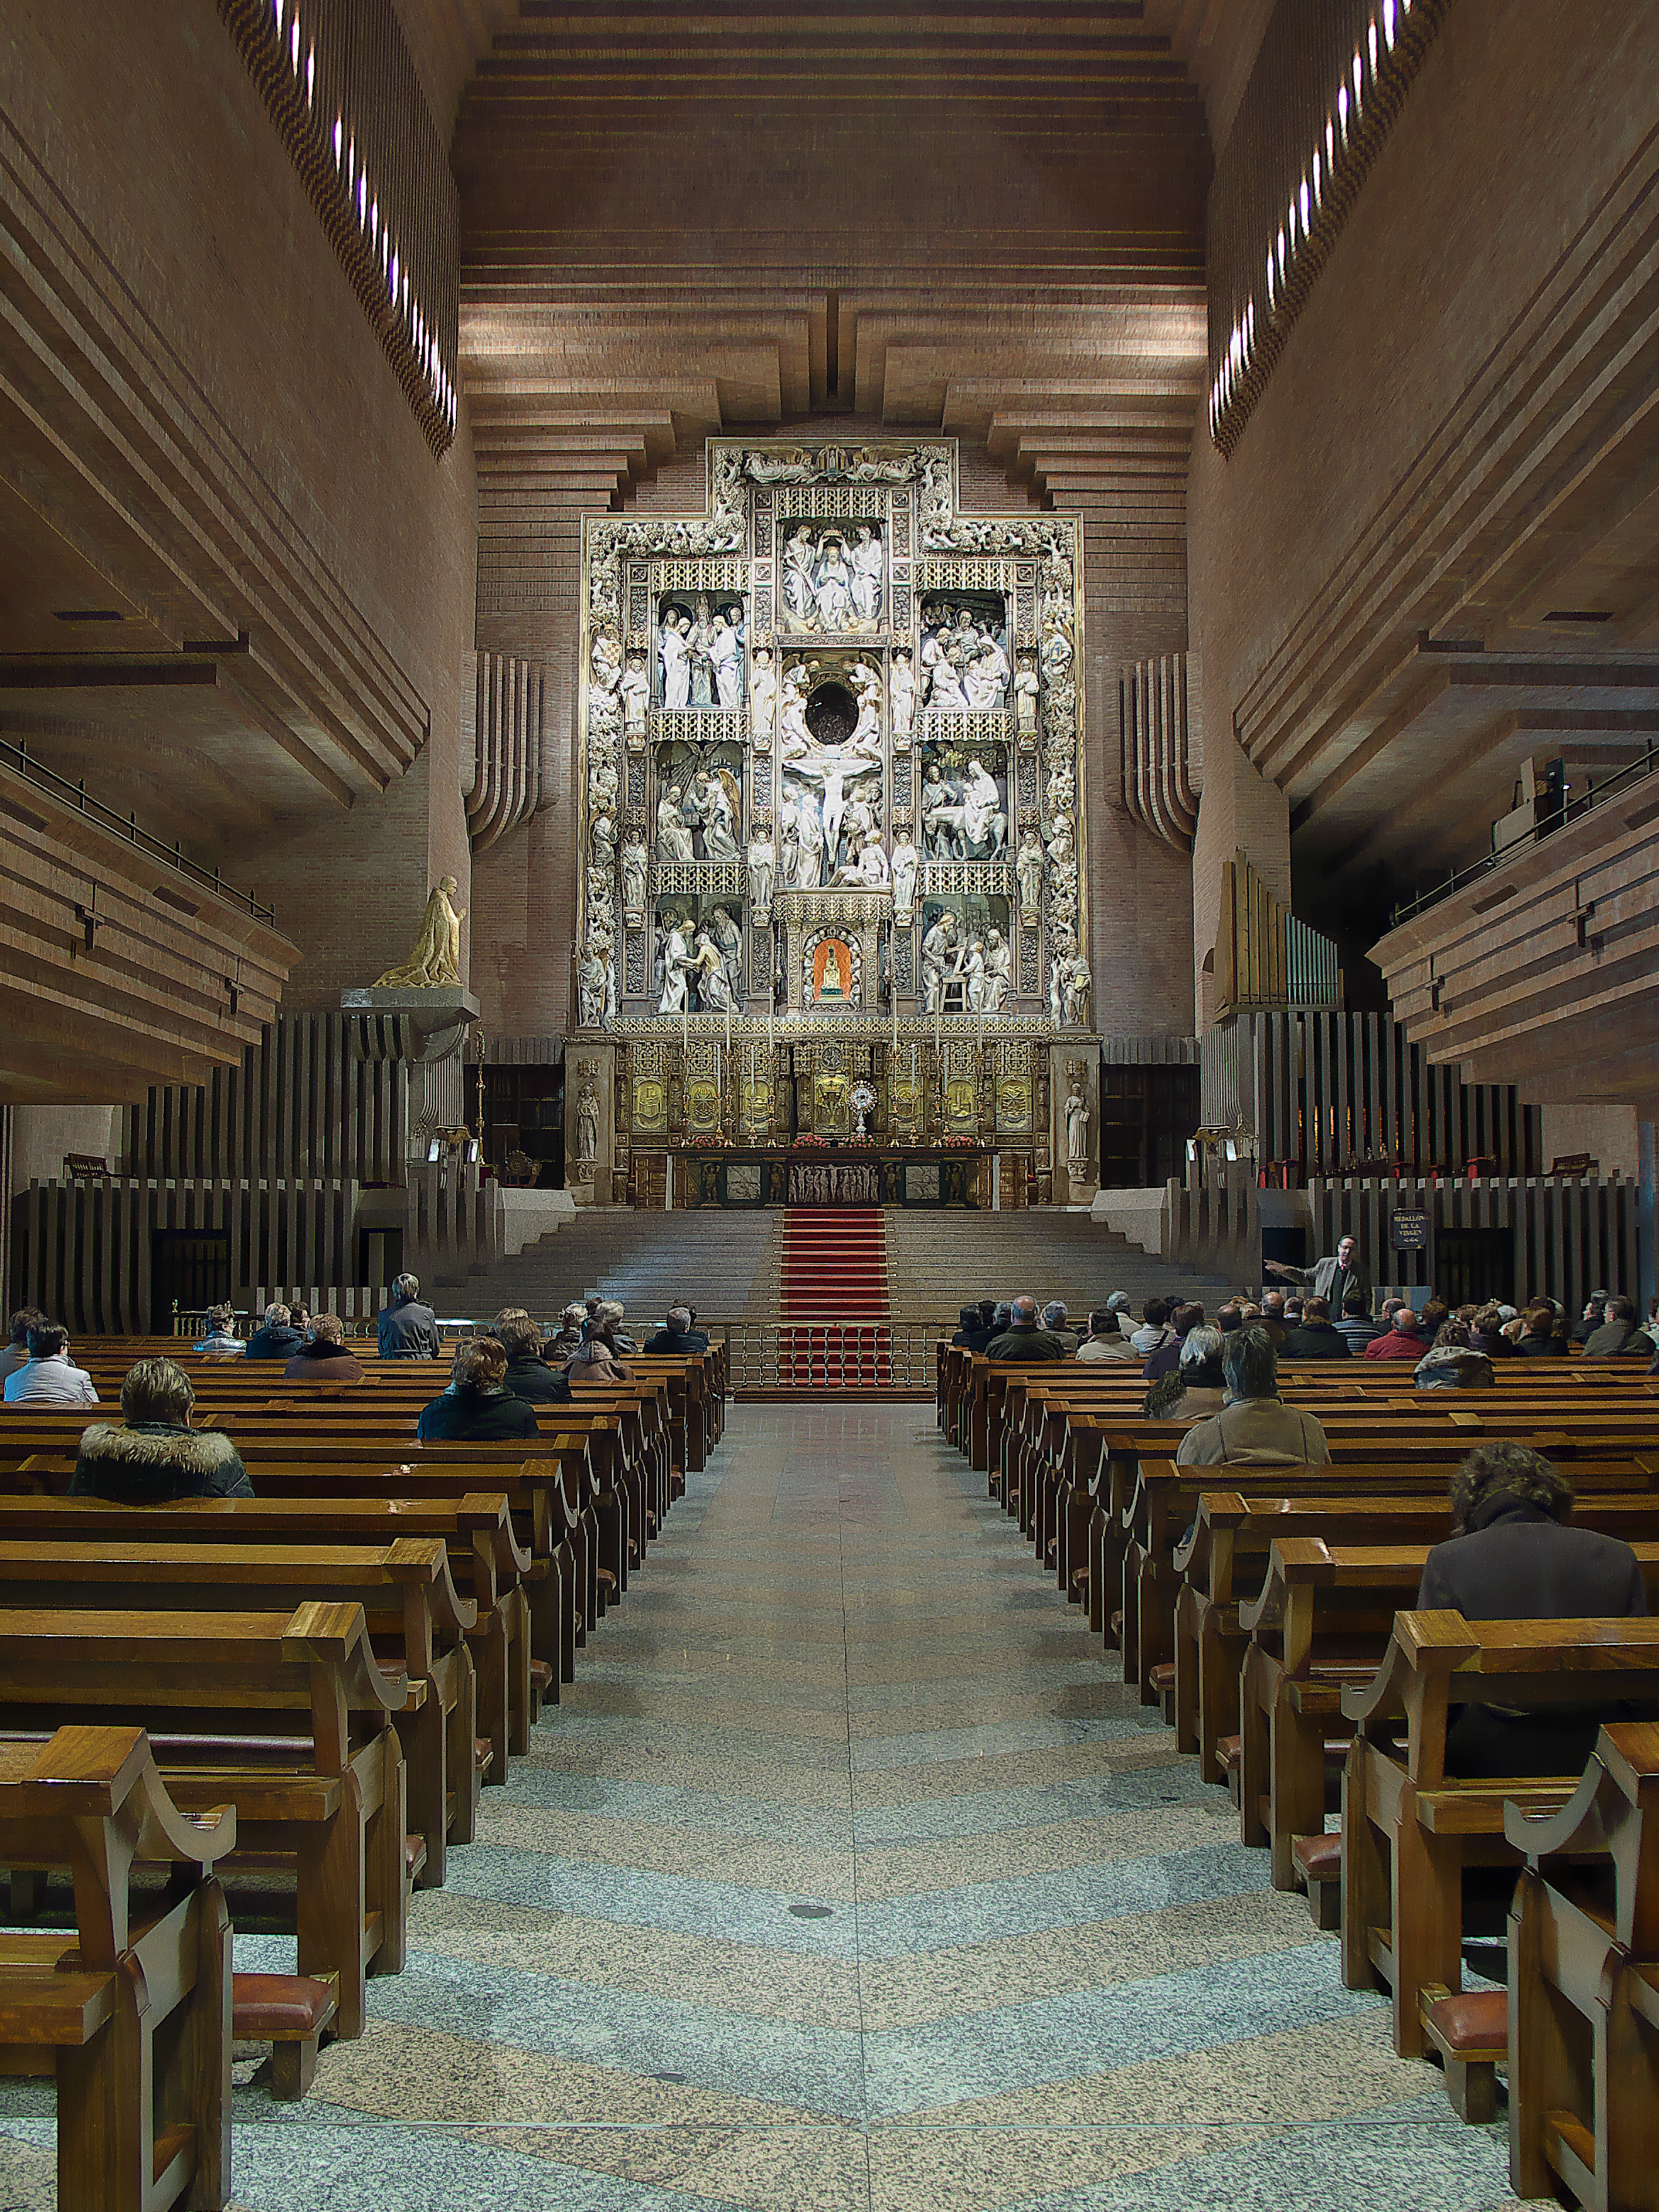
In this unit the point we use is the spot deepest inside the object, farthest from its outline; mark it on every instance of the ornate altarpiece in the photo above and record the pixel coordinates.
(831, 805)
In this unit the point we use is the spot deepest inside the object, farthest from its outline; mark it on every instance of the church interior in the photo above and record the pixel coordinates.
(786, 799)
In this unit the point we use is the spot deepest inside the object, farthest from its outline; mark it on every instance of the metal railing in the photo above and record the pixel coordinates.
(16, 757)
(1557, 817)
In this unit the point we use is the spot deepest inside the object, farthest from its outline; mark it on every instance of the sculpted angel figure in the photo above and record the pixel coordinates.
(673, 832)
(796, 739)
(866, 733)
(717, 801)
(437, 959)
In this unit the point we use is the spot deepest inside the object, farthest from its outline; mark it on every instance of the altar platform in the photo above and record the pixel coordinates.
(835, 1175)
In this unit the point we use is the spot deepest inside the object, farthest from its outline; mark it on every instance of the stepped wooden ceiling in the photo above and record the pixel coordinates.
(988, 220)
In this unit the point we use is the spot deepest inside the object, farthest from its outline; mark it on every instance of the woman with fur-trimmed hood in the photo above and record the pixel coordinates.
(153, 1455)
(1453, 1361)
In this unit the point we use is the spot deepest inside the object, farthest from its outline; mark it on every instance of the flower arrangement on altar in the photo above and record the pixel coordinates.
(809, 1141)
(706, 1142)
(957, 1144)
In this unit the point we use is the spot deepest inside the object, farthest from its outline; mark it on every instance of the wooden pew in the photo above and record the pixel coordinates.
(1408, 1827)
(1582, 2024)
(417, 1621)
(137, 2015)
(287, 1718)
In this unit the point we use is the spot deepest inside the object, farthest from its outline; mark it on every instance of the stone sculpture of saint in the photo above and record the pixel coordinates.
(1077, 1132)
(867, 570)
(937, 948)
(676, 959)
(1079, 983)
(998, 972)
(762, 866)
(1027, 686)
(592, 980)
(635, 863)
(798, 583)
(905, 861)
(675, 646)
(635, 695)
(763, 698)
(707, 971)
(673, 833)
(982, 819)
(833, 589)
(435, 963)
(725, 657)
(1028, 866)
(587, 1127)
(901, 696)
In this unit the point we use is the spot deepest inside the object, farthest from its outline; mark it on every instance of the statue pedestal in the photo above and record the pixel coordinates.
(426, 1030)
(1075, 1062)
(589, 1066)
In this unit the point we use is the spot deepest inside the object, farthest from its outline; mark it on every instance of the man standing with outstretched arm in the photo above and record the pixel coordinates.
(1334, 1278)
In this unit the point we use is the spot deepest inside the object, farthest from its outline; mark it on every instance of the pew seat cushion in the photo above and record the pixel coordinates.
(1470, 2024)
(1319, 1858)
(282, 2008)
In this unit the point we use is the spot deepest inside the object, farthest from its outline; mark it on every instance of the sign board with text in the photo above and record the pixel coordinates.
(1409, 1232)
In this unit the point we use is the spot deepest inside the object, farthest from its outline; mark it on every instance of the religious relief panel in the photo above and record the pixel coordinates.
(832, 685)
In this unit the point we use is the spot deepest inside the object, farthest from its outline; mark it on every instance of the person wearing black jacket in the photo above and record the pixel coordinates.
(976, 1331)
(1318, 1337)
(679, 1339)
(528, 1375)
(1513, 1556)
(477, 1407)
(276, 1338)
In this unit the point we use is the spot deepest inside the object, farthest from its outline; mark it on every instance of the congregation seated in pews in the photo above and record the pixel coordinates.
(1395, 1598)
(287, 1626)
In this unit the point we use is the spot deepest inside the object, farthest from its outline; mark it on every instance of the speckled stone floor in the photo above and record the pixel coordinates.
(848, 1878)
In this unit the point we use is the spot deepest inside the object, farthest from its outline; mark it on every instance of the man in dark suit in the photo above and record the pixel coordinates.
(1514, 1557)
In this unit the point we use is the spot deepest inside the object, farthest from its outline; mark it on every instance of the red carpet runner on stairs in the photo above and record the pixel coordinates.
(834, 1300)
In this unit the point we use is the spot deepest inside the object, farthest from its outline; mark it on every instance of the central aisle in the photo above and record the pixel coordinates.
(846, 1877)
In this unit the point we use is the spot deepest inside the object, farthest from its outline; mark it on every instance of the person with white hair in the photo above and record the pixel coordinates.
(679, 1337)
(568, 1333)
(609, 1314)
(1106, 1340)
(1055, 1317)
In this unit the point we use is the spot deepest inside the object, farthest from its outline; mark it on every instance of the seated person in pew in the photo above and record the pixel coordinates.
(1405, 1338)
(1023, 1338)
(594, 1360)
(408, 1329)
(477, 1406)
(678, 1338)
(1514, 1556)
(276, 1338)
(568, 1333)
(1541, 1332)
(1486, 1332)
(1184, 1319)
(965, 1334)
(1154, 1327)
(1105, 1342)
(17, 1348)
(528, 1375)
(1452, 1361)
(1618, 1337)
(1318, 1337)
(1254, 1427)
(323, 1357)
(1356, 1327)
(222, 1341)
(1197, 1387)
(48, 1376)
(1055, 1316)
(610, 1313)
(153, 1455)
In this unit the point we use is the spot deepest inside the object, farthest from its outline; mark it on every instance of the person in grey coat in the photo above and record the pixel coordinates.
(1334, 1278)
(407, 1330)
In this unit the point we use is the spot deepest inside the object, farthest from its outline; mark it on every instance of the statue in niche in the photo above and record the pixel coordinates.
(1028, 868)
(673, 831)
(1079, 983)
(809, 842)
(964, 666)
(587, 1130)
(800, 561)
(832, 590)
(906, 860)
(795, 737)
(763, 697)
(707, 970)
(901, 696)
(866, 731)
(635, 863)
(982, 819)
(435, 963)
(970, 966)
(725, 931)
(866, 560)
(985, 676)
(674, 646)
(675, 961)
(725, 658)
(761, 868)
(1077, 1131)
(866, 867)
(593, 987)
(998, 972)
(700, 654)
(713, 801)
(635, 696)
(944, 691)
(938, 961)
(1027, 685)
(788, 845)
